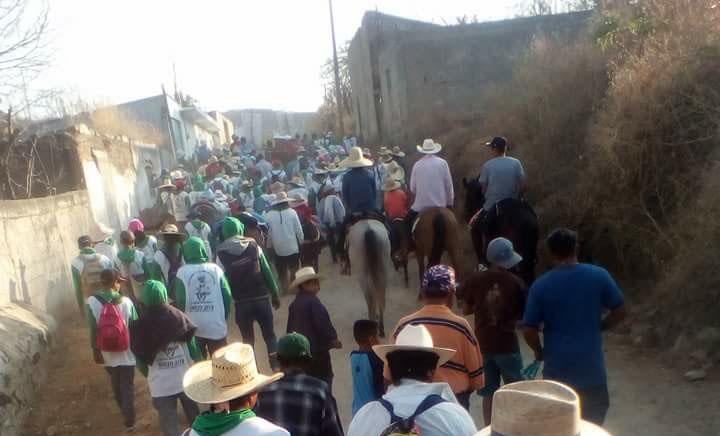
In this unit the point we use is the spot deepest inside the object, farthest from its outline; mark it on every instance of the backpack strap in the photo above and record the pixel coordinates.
(391, 410)
(429, 402)
(101, 299)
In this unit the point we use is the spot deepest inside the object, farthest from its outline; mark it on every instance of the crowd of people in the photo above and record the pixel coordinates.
(240, 229)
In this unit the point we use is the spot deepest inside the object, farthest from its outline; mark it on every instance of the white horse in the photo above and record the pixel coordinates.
(369, 251)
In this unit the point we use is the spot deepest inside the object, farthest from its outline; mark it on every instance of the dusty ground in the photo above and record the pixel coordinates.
(647, 398)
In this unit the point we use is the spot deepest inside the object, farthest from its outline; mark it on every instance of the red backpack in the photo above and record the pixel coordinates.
(112, 333)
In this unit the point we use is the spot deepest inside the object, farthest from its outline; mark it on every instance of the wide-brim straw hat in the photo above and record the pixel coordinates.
(429, 147)
(280, 197)
(297, 199)
(320, 171)
(397, 152)
(356, 159)
(230, 374)
(386, 158)
(297, 181)
(304, 275)
(171, 230)
(538, 408)
(395, 171)
(391, 185)
(167, 184)
(414, 338)
(333, 168)
(277, 187)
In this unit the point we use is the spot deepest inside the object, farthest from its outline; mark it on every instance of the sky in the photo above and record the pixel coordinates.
(228, 54)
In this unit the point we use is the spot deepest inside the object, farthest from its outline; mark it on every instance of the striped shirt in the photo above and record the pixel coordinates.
(464, 371)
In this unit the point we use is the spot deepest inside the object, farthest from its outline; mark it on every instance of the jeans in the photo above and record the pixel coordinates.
(285, 265)
(122, 379)
(594, 403)
(209, 346)
(167, 411)
(246, 313)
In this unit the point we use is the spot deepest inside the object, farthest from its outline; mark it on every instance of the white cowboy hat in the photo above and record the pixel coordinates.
(383, 151)
(229, 375)
(171, 230)
(538, 408)
(395, 171)
(320, 171)
(429, 147)
(297, 181)
(414, 338)
(280, 197)
(356, 159)
(391, 185)
(297, 199)
(304, 275)
(397, 152)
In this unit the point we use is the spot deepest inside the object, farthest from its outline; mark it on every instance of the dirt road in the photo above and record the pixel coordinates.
(647, 399)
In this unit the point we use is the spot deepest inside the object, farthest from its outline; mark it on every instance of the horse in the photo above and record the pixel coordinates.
(399, 247)
(515, 221)
(436, 232)
(369, 252)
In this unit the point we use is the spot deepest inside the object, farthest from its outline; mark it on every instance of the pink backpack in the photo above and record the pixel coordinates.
(112, 333)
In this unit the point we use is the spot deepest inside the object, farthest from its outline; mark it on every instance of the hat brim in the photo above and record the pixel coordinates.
(168, 186)
(362, 163)
(199, 386)
(296, 203)
(182, 235)
(319, 172)
(511, 263)
(436, 149)
(299, 281)
(586, 429)
(400, 154)
(444, 354)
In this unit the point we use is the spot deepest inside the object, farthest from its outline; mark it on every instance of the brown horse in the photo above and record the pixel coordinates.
(436, 232)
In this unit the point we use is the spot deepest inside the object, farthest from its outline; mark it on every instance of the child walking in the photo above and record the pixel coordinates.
(367, 368)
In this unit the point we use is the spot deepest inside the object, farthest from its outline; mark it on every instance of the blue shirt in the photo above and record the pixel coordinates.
(359, 191)
(570, 301)
(367, 378)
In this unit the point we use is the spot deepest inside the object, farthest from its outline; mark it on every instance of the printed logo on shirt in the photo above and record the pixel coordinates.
(202, 284)
(170, 357)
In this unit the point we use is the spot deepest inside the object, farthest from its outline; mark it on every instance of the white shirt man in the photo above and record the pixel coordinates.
(431, 183)
(286, 232)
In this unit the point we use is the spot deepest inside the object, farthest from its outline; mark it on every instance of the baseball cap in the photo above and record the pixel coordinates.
(110, 276)
(438, 280)
(497, 142)
(293, 345)
(500, 251)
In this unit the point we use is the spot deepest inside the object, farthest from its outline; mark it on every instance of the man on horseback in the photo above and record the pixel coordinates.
(430, 183)
(502, 177)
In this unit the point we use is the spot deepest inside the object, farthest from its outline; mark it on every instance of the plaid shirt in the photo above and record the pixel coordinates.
(301, 404)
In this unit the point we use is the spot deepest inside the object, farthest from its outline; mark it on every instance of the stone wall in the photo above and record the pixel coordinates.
(412, 81)
(26, 336)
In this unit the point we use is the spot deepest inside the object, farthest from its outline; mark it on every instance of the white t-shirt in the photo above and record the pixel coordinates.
(165, 375)
(444, 419)
(285, 231)
(151, 246)
(204, 303)
(253, 427)
(124, 358)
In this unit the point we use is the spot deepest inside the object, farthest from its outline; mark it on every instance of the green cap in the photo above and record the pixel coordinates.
(293, 345)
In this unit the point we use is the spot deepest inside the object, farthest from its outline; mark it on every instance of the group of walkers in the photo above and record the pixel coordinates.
(161, 304)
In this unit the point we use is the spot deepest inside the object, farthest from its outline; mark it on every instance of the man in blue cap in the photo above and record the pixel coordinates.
(497, 298)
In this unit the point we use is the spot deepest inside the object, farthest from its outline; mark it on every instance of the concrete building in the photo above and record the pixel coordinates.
(226, 127)
(260, 125)
(412, 79)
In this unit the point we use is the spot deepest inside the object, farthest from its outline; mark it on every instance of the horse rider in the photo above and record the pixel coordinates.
(359, 193)
(502, 177)
(430, 183)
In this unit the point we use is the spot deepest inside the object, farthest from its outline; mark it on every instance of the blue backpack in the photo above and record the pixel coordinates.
(406, 426)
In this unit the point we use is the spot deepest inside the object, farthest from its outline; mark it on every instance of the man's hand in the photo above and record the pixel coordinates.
(97, 356)
(275, 303)
(336, 344)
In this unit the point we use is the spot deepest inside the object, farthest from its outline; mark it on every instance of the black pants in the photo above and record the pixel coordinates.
(594, 403)
(209, 346)
(321, 367)
(122, 379)
(246, 313)
(286, 265)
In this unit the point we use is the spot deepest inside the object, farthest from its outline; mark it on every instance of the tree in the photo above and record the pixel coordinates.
(534, 8)
(327, 74)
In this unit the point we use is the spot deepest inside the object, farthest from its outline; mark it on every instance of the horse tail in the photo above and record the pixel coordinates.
(372, 258)
(438, 244)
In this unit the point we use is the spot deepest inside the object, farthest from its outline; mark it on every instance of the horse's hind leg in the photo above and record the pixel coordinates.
(405, 271)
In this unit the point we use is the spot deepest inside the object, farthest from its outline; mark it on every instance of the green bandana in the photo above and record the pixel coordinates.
(126, 255)
(215, 424)
(198, 224)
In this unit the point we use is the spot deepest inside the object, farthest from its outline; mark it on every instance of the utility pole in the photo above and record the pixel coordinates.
(338, 95)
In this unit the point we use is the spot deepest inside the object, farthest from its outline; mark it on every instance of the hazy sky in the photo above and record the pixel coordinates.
(228, 53)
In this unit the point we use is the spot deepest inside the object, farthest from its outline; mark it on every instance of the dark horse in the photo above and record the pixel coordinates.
(515, 221)
(399, 246)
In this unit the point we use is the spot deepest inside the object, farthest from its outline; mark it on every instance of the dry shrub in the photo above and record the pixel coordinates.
(116, 122)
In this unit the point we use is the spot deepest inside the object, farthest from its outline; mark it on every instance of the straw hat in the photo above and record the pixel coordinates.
(297, 199)
(280, 197)
(229, 375)
(356, 159)
(386, 158)
(383, 151)
(538, 408)
(297, 181)
(304, 275)
(429, 147)
(167, 184)
(277, 187)
(320, 171)
(391, 185)
(395, 171)
(333, 168)
(397, 152)
(171, 230)
(414, 338)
